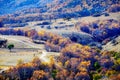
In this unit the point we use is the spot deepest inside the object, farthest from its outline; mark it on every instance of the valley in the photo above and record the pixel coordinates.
(59, 40)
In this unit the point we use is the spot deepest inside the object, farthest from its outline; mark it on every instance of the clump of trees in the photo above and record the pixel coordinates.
(101, 29)
(56, 43)
(114, 8)
(12, 31)
(53, 42)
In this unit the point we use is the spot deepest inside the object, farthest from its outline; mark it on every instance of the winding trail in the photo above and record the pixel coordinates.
(8, 59)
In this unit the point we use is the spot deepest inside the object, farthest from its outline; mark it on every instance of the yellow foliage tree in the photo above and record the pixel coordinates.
(37, 75)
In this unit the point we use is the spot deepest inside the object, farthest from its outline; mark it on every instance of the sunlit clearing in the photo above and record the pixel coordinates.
(43, 57)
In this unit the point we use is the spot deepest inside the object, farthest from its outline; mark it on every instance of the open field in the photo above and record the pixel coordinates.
(21, 42)
(24, 50)
(57, 22)
(11, 58)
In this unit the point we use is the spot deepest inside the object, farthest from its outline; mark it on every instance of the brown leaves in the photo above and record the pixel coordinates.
(38, 74)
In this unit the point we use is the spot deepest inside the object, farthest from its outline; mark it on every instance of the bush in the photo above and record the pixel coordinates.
(97, 76)
(106, 14)
(10, 46)
(85, 29)
(25, 72)
(1, 24)
(44, 23)
(96, 15)
(82, 76)
(97, 65)
(116, 66)
(54, 73)
(95, 25)
(114, 8)
(107, 63)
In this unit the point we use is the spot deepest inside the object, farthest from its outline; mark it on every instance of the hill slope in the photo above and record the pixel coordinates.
(67, 6)
(10, 6)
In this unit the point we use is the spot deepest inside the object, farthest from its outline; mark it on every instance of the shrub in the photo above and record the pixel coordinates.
(114, 8)
(54, 73)
(82, 76)
(116, 65)
(106, 63)
(97, 65)
(44, 23)
(10, 46)
(1, 24)
(97, 76)
(85, 29)
(39, 75)
(25, 71)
